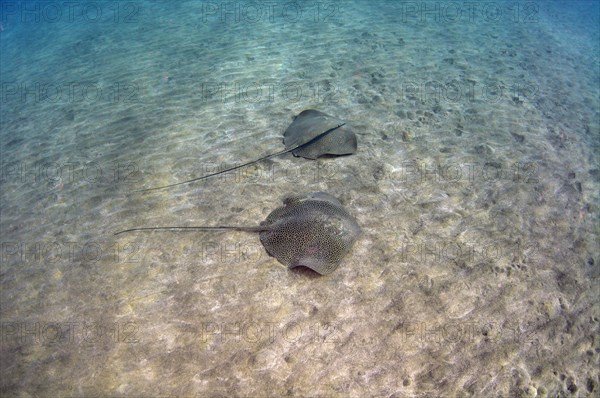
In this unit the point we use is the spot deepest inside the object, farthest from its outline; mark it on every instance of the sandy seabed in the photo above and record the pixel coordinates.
(476, 184)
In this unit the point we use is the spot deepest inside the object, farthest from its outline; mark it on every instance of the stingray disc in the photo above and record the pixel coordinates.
(311, 230)
(308, 125)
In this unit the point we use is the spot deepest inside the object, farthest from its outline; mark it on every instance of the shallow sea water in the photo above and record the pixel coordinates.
(476, 184)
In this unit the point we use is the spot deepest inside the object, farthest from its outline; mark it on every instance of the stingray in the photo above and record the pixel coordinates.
(311, 230)
(311, 135)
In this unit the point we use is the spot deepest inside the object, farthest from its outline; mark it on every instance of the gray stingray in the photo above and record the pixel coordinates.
(311, 135)
(311, 230)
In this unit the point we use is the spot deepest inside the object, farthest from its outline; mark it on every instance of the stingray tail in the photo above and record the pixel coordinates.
(218, 228)
(318, 137)
(218, 172)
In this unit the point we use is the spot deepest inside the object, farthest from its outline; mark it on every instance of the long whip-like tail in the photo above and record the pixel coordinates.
(223, 227)
(318, 137)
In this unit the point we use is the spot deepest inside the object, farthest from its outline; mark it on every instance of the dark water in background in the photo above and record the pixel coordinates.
(476, 184)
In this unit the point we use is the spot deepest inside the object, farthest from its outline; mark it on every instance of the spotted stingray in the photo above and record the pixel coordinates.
(311, 230)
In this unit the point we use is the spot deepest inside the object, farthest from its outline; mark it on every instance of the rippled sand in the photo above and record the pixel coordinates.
(475, 184)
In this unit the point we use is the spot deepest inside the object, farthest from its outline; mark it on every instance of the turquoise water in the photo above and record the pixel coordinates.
(476, 185)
